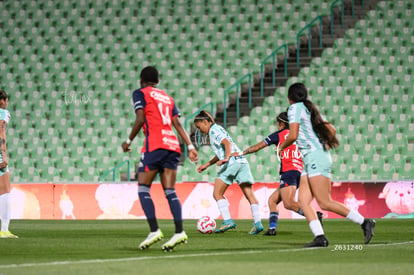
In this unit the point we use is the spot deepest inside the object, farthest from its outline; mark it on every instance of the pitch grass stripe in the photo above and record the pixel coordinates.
(176, 256)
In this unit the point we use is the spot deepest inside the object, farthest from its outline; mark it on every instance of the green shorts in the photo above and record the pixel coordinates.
(317, 163)
(236, 172)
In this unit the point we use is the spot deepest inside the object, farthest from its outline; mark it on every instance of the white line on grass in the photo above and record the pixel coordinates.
(176, 256)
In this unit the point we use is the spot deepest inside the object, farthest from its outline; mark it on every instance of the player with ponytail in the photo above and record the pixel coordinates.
(314, 136)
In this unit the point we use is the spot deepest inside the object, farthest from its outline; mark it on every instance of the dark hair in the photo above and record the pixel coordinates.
(149, 74)
(204, 115)
(3, 95)
(298, 93)
(283, 118)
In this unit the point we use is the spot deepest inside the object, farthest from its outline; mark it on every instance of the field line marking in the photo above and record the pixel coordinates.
(177, 256)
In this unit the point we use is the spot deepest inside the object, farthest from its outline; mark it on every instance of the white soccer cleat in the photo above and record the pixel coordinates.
(176, 239)
(7, 235)
(152, 238)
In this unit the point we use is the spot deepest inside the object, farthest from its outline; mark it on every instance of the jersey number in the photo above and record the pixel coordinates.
(166, 118)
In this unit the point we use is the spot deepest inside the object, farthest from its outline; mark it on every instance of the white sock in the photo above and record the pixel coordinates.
(255, 212)
(5, 211)
(316, 228)
(355, 217)
(223, 207)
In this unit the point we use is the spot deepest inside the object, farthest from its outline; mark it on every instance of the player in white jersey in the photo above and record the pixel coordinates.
(5, 204)
(314, 136)
(231, 169)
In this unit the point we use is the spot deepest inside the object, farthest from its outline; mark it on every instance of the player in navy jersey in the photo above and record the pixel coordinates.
(5, 204)
(156, 113)
(314, 136)
(290, 169)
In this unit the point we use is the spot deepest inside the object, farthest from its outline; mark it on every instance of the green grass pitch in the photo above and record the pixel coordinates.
(110, 247)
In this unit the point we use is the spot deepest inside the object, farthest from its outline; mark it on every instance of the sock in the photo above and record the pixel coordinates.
(255, 212)
(5, 211)
(148, 206)
(316, 228)
(175, 207)
(223, 207)
(273, 218)
(355, 217)
(300, 212)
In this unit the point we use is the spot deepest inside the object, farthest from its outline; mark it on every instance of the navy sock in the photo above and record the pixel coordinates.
(273, 218)
(300, 212)
(148, 206)
(175, 207)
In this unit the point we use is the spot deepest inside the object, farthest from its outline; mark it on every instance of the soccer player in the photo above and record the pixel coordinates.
(314, 137)
(290, 169)
(231, 169)
(156, 113)
(5, 204)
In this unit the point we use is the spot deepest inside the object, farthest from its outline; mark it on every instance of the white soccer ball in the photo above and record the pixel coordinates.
(206, 225)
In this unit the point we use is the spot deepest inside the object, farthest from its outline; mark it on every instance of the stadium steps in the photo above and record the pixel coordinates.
(292, 68)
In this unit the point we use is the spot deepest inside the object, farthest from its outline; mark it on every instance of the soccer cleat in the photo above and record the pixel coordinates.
(368, 228)
(151, 239)
(320, 217)
(319, 241)
(256, 229)
(226, 225)
(270, 232)
(176, 239)
(7, 235)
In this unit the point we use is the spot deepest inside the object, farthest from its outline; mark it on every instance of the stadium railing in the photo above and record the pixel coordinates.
(273, 56)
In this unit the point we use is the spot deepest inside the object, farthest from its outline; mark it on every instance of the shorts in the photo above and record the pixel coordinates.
(158, 160)
(290, 178)
(236, 172)
(317, 163)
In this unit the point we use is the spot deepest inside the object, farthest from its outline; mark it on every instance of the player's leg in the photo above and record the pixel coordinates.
(220, 188)
(305, 200)
(320, 183)
(273, 201)
(247, 189)
(145, 179)
(168, 177)
(5, 206)
(321, 188)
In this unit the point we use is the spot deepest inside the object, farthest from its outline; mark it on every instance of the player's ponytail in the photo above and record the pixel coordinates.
(204, 115)
(298, 93)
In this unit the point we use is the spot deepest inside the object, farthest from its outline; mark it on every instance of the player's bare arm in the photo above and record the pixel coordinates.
(3, 147)
(203, 167)
(292, 136)
(139, 122)
(192, 152)
(251, 149)
(227, 152)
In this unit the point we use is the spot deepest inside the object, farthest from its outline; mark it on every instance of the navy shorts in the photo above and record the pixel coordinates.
(290, 178)
(158, 160)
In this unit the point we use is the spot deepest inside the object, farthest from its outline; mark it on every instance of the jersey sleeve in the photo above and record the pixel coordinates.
(175, 111)
(5, 115)
(218, 134)
(272, 139)
(294, 113)
(138, 99)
